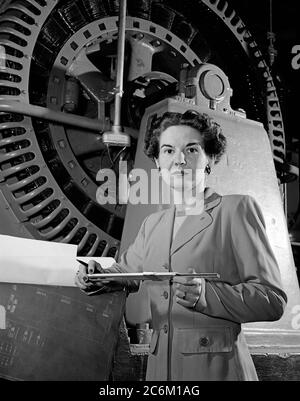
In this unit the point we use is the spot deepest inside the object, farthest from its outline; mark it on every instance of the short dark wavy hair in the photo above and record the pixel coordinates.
(214, 142)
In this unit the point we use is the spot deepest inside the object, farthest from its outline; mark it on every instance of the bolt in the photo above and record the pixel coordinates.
(156, 43)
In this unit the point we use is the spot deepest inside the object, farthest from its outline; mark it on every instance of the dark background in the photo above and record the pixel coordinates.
(286, 26)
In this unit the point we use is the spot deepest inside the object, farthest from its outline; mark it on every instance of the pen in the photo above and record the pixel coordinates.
(86, 279)
(82, 262)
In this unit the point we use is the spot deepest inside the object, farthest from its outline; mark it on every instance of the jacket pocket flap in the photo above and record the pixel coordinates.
(212, 339)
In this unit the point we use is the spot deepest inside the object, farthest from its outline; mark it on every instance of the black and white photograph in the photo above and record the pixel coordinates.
(149, 194)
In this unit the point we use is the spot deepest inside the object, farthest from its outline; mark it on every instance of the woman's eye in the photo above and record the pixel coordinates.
(168, 151)
(192, 150)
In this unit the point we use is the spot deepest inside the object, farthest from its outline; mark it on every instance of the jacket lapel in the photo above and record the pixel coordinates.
(194, 224)
(166, 237)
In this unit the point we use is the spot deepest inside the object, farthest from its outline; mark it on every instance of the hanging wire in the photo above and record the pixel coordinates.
(112, 161)
(271, 36)
(271, 15)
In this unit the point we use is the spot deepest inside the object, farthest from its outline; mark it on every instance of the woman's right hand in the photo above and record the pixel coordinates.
(81, 278)
(95, 287)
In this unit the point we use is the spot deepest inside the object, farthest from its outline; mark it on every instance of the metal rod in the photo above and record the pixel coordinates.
(12, 106)
(271, 14)
(120, 66)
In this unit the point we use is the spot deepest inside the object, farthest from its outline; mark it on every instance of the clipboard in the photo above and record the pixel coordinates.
(154, 276)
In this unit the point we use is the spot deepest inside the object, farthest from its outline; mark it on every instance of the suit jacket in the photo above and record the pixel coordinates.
(206, 343)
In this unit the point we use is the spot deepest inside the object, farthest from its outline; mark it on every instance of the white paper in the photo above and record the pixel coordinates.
(29, 261)
(2, 318)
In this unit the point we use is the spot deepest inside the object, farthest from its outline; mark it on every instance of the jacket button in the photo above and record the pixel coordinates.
(165, 294)
(166, 328)
(204, 341)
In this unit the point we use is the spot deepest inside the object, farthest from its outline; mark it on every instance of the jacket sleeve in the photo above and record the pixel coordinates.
(258, 296)
(131, 261)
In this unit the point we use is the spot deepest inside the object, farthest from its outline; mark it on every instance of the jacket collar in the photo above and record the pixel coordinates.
(193, 224)
(211, 199)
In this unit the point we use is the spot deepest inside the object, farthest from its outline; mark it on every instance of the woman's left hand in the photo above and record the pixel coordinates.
(188, 290)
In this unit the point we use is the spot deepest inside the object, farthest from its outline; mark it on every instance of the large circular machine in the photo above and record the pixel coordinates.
(61, 55)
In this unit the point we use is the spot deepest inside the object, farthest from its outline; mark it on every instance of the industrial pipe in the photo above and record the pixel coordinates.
(120, 66)
(12, 106)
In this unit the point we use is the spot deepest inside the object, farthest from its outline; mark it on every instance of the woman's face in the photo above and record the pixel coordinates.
(181, 157)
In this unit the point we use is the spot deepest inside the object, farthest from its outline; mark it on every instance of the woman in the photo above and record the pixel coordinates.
(196, 322)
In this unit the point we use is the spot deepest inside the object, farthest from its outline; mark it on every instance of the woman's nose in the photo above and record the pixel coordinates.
(180, 159)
